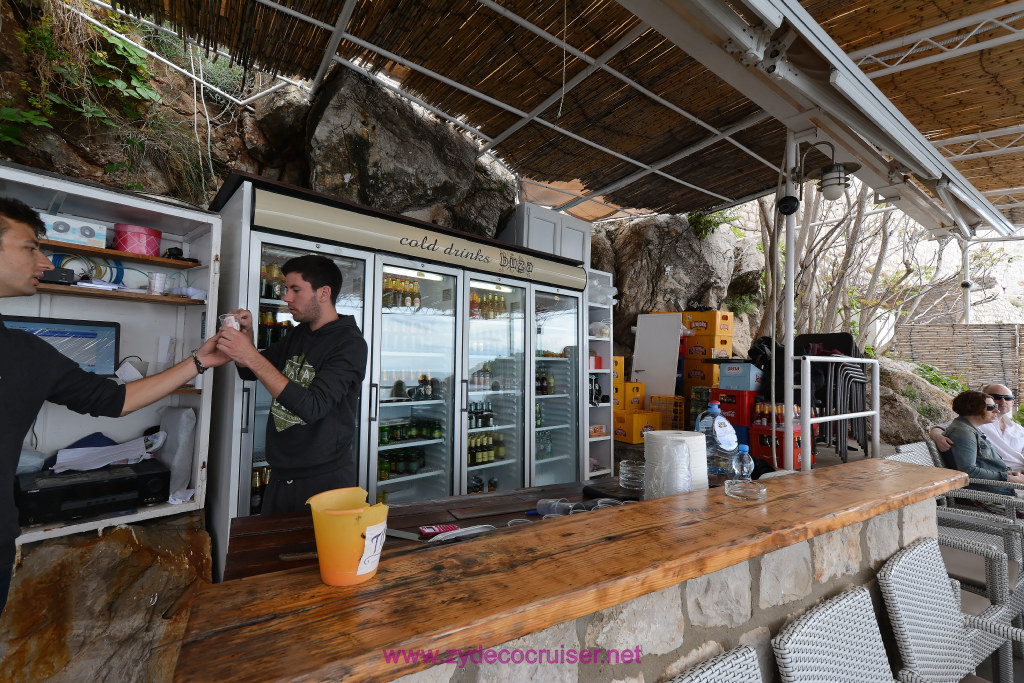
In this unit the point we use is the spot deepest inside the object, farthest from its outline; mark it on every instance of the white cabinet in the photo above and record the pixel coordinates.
(548, 231)
(143, 317)
(598, 321)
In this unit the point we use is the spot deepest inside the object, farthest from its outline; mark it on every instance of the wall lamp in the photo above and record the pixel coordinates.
(832, 179)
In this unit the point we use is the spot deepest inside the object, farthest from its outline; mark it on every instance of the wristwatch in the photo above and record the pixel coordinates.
(200, 368)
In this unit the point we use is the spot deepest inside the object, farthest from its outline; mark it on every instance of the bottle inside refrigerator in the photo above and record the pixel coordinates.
(494, 437)
(415, 373)
(273, 321)
(556, 391)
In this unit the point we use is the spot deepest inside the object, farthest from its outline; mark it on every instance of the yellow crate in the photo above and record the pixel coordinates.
(631, 427)
(618, 369)
(635, 397)
(672, 409)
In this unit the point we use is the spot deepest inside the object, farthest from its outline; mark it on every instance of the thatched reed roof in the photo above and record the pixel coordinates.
(616, 120)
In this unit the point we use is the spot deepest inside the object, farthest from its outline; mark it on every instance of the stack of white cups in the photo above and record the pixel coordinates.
(675, 462)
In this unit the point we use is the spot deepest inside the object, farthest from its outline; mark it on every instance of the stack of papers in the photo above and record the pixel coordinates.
(127, 453)
(98, 284)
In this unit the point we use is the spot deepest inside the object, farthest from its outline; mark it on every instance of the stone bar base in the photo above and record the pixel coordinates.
(678, 627)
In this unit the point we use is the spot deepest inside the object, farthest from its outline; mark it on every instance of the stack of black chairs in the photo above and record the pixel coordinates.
(844, 389)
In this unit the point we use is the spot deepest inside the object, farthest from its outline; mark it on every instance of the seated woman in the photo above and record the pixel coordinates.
(971, 452)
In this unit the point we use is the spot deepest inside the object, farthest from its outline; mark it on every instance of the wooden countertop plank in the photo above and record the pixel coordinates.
(522, 579)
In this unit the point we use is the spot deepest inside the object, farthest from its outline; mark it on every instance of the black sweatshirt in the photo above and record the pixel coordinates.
(31, 372)
(313, 421)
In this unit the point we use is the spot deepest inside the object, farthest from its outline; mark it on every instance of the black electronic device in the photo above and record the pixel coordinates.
(44, 497)
(93, 344)
(59, 276)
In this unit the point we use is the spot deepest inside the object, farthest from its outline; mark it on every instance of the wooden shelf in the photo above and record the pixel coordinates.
(90, 293)
(187, 390)
(119, 255)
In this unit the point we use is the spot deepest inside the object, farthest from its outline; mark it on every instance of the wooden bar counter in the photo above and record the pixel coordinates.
(287, 625)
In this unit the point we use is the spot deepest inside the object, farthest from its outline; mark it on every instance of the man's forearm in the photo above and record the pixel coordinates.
(142, 392)
(268, 375)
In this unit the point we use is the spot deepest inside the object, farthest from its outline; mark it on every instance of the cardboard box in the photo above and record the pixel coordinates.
(696, 372)
(737, 406)
(635, 397)
(631, 427)
(708, 346)
(761, 446)
(709, 322)
(618, 369)
(75, 230)
(740, 376)
(618, 396)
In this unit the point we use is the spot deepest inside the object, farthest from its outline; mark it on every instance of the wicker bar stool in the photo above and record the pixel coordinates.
(738, 665)
(936, 640)
(836, 641)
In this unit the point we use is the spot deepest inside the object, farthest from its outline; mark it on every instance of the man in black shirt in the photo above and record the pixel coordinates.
(32, 371)
(314, 375)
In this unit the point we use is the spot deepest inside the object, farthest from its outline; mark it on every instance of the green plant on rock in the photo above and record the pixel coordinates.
(11, 121)
(951, 385)
(926, 410)
(741, 304)
(705, 222)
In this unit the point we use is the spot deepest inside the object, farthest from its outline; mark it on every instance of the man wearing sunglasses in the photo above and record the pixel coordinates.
(1005, 435)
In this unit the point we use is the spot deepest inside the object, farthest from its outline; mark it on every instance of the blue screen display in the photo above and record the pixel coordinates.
(93, 344)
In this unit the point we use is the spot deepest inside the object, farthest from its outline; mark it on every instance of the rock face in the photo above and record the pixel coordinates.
(910, 404)
(369, 146)
(661, 265)
(88, 608)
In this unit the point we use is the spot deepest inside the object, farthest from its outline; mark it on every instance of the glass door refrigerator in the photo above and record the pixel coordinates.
(413, 397)
(557, 427)
(272, 321)
(493, 386)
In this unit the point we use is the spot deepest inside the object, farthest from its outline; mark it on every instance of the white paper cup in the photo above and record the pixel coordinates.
(157, 283)
(229, 320)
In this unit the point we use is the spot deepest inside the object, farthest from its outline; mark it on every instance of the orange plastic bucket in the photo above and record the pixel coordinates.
(349, 535)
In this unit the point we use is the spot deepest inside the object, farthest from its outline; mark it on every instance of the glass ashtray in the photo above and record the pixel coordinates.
(745, 490)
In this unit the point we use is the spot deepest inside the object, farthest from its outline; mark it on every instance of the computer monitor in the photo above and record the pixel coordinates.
(93, 344)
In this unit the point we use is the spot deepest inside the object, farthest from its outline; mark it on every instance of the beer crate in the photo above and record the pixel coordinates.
(635, 396)
(697, 372)
(708, 346)
(709, 322)
(672, 409)
(618, 369)
(631, 427)
(618, 396)
(761, 445)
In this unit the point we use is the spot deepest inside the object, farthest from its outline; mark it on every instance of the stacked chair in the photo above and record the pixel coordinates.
(844, 390)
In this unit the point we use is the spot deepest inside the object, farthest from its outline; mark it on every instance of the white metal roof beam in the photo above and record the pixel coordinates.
(509, 108)
(982, 144)
(515, 18)
(615, 49)
(897, 54)
(662, 163)
(344, 16)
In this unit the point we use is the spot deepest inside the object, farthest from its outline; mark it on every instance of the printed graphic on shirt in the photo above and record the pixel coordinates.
(302, 373)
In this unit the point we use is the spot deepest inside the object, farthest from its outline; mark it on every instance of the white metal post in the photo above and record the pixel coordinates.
(965, 275)
(789, 294)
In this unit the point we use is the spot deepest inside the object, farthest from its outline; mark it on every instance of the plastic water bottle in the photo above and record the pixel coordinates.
(741, 486)
(720, 438)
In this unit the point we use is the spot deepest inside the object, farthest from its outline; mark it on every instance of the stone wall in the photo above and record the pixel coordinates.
(678, 627)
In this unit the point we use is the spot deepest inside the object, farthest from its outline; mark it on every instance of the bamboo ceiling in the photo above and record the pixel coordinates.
(473, 44)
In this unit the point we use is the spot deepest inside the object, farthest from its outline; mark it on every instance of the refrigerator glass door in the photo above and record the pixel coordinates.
(494, 444)
(271, 322)
(556, 388)
(413, 447)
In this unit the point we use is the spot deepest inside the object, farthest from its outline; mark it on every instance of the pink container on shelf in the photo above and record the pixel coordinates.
(136, 239)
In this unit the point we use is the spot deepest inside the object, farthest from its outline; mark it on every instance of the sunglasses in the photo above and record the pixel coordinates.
(990, 407)
(1001, 397)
